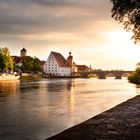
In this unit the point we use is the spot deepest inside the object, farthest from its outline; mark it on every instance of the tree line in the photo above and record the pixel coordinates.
(28, 64)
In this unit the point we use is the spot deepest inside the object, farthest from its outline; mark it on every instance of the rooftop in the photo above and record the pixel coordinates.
(60, 59)
(23, 50)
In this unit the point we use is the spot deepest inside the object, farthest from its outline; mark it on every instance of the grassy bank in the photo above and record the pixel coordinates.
(30, 78)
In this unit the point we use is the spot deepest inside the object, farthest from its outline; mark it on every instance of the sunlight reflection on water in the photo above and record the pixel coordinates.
(9, 87)
(37, 110)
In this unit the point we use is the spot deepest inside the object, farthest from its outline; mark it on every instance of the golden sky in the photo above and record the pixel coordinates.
(84, 27)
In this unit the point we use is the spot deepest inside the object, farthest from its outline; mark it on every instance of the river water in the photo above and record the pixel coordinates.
(38, 110)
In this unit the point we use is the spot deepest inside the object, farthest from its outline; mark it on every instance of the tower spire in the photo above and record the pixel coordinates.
(70, 53)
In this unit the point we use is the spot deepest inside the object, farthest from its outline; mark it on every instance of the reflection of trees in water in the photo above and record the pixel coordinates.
(28, 85)
(55, 87)
(58, 86)
(9, 87)
(138, 89)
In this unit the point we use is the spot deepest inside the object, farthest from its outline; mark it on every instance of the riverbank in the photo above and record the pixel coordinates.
(31, 78)
(119, 123)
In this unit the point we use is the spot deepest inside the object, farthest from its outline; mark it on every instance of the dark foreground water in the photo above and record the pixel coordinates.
(38, 110)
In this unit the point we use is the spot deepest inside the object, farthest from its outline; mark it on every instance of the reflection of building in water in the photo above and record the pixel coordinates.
(71, 98)
(31, 86)
(70, 85)
(54, 86)
(9, 87)
(138, 89)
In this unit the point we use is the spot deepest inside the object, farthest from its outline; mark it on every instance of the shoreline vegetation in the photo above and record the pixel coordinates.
(30, 78)
(31, 68)
(36, 77)
(135, 77)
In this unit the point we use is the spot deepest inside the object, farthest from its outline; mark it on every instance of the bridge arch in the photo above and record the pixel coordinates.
(126, 75)
(110, 75)
(92, 75)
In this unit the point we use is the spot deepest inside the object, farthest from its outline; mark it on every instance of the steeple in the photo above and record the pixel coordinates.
(23, 52)
(70, 53)
(70, 60)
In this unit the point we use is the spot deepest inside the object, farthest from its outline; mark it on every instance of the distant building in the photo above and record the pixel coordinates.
(83, 68)
(57, 65)
(23, 53)
(17, 60)
(70, 60)
(72, 64)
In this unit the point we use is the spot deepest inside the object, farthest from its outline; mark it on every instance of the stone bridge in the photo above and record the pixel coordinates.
(103, 74)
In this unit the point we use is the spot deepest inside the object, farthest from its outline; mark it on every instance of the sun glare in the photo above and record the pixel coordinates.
(123, 45)
(119, 37)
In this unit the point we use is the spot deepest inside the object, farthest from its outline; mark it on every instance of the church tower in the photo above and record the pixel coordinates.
(70, 60)
(23, 52)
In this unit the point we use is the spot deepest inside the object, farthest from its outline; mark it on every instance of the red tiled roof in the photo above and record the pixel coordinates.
(16, 59)
(82, 67)
(60, 59)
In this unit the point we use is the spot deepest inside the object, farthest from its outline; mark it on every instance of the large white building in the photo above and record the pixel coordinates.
(57, 65)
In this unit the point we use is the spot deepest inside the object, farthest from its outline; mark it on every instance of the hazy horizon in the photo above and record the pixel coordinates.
(84, 27)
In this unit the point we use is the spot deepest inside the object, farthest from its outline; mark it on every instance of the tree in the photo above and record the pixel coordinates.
(8, 61)
(127, 12)
(2, 62)
(36, 65)
(135, 77)
(27, 64)
(30, 64)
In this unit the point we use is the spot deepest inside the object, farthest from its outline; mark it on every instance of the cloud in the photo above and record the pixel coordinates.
(80, 25)
(53, 23)
(33, 16)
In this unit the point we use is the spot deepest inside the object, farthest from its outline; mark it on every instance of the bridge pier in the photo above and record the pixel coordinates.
(118, 77)
(102, 74)
(102, 77)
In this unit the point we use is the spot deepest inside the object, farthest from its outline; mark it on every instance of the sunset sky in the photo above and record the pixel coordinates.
(84, 27)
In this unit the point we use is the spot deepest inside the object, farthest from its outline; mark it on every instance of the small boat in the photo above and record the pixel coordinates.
(9, 77)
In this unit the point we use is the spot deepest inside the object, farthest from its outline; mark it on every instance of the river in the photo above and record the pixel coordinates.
(38, 110)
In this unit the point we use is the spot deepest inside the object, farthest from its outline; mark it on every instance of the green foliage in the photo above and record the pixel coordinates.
(31, 78)
(30, 64)
(27, 64)
(128, 13)
(36, 64)
(2, 62)
(6, 59)
(135, 77)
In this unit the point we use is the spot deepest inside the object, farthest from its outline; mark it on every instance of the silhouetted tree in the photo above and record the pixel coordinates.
(128, 13)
